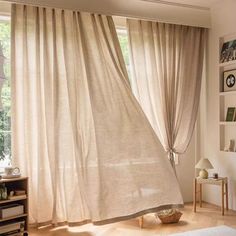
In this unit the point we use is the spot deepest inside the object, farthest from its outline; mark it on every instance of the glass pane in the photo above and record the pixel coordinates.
(5, 113)
(123, 39)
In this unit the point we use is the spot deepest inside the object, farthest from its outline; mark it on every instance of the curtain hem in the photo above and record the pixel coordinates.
(140, 213)
(112, 220)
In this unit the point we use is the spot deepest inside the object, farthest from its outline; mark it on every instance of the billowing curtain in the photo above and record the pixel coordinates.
(166, 77)
(78, 132)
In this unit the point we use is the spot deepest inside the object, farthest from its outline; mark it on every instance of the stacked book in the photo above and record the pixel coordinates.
(17, 195)
(12, 229)
(11, 210)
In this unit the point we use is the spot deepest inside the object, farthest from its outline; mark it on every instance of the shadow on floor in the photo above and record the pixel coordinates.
(61, 232)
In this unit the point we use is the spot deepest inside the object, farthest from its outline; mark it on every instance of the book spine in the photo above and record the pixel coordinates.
(11, 233)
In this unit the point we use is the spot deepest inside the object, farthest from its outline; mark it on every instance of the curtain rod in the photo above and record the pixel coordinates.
(114, 14)
(150, 1)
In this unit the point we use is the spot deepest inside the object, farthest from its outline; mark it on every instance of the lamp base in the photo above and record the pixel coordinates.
(203, 174)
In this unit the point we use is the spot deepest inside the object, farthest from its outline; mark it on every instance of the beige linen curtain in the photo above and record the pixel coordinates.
(78, 132)
(166, 76)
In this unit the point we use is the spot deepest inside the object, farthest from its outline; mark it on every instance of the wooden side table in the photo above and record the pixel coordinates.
(222, 181)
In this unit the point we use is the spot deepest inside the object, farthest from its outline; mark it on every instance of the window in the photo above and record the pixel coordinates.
(123, 39)
(5, 112)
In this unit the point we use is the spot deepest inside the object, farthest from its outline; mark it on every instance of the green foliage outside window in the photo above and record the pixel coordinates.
(5, 114)
(123, 39)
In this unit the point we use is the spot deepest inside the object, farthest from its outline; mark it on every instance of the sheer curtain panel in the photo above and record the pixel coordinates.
(78, 132)
(166, 77)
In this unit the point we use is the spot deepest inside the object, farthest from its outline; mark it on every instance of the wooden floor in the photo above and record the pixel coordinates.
(208, 216)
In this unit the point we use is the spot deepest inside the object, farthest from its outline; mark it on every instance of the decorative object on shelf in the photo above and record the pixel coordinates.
(11, 172)
(215, 176)
(3, 192)
(230, 80)
(204, 164)
(169, 216)
(228, 51)
(231, 146)
(230, 116)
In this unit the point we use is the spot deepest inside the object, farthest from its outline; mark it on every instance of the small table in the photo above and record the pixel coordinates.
(221, 181)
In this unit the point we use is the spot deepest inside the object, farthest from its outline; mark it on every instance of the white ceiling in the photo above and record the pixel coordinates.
(202, 3)
(188, 3)
(73, 3)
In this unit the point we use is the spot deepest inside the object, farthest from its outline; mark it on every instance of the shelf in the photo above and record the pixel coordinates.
(12, 180)
(12, 200)
(13, 217)
(228, 93)
(222, 151)
(13, 184)
(228, 63)
(227, 129)
(228, 123)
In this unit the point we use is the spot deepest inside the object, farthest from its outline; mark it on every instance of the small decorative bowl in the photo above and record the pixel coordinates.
(169, 216)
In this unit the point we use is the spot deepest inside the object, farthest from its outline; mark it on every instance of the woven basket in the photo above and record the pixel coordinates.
(171, 218)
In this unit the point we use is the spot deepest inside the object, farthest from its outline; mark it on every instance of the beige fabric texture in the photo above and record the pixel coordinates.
(166, 78)
(78, 132)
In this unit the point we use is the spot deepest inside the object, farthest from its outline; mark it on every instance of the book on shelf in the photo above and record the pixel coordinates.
(19, 192)
(12, 233)
(11, 210)
(13, 226)
(231, 112)
(17, 197)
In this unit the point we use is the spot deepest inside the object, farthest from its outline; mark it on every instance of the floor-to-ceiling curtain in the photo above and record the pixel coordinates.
(78, 132)
(167, 63)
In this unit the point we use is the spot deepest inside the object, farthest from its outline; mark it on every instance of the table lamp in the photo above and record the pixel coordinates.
(204, 164)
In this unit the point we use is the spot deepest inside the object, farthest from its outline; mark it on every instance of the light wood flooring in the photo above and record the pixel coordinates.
(208, 216)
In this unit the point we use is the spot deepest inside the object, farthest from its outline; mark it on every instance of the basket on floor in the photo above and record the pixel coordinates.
(169, 216)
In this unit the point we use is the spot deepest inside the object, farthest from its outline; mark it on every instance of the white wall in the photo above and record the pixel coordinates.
(185, 171)
(223, 23)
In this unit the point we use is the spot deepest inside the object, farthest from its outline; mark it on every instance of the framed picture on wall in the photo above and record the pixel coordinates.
(228, 51)
(230, 116)
(229, 80)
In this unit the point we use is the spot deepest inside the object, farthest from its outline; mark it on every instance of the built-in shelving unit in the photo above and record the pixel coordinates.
(227, 93)
(11, 186)
(227, 99)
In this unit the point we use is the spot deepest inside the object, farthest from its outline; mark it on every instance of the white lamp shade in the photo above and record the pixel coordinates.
(204, 163)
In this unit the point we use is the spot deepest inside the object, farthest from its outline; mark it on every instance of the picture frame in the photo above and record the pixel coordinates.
(229, 80)
(228, 51)
(230, 116)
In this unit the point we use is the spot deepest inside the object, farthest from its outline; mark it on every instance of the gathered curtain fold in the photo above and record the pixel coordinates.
(167, 62)
(78, 132)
